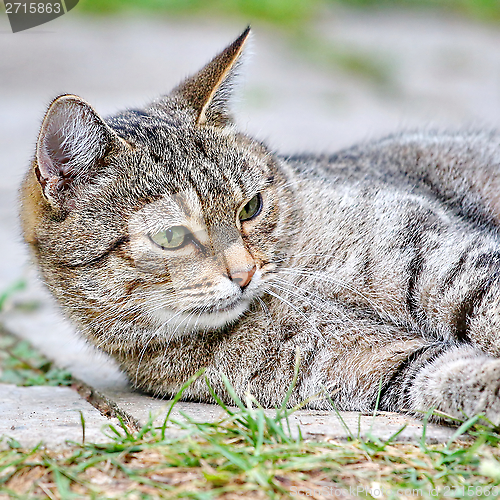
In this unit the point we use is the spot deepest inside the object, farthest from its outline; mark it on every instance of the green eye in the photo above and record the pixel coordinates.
(251, 209)
(172, 238)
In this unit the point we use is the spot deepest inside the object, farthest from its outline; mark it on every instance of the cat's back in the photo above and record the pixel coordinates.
(458, 169)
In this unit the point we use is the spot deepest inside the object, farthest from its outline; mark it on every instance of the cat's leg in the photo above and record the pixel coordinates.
(364, 361)
(424, 266)
(455, 290)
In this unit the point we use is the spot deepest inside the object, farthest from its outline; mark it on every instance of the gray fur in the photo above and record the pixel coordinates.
(379, 264)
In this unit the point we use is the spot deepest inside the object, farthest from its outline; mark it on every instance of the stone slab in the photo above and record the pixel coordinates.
(314, 424)
(48, 414)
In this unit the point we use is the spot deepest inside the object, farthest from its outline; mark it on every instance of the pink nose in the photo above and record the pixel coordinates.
(242, 278)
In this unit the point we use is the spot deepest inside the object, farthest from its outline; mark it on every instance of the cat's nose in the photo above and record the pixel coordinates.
(243, 278)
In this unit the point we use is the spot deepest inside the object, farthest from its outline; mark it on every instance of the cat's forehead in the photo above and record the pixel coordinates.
(174, 209)
(211, 164)
(166, 135)
(194, 168)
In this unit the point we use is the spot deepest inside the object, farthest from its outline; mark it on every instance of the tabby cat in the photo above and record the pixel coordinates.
(175, 243)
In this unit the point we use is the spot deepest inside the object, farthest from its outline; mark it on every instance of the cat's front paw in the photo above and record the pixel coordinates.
(462, 382)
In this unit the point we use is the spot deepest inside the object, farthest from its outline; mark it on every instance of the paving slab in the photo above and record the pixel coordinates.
(50, 415)
(314, 424)
(443, 71)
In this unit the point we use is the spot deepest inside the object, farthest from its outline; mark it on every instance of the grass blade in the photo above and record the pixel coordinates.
(82, 421)
(463, 429)
(177, 397)
(339, 416)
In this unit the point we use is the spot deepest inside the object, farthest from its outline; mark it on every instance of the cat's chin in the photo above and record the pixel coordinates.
(177, 325)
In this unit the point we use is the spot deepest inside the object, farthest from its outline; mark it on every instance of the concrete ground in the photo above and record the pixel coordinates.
(436, 71)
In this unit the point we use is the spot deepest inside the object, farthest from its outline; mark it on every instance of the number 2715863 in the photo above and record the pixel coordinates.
(32, 8)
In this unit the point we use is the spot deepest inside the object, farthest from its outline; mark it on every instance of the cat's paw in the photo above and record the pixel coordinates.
(462, 382)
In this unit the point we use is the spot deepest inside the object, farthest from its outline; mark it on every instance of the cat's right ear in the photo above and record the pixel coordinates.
(72, 143)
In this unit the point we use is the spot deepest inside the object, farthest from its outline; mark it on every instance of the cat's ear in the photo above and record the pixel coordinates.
(73, 141)
(209, 91)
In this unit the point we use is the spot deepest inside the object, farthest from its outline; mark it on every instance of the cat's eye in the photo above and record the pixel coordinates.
(172, 238)
(251, 209)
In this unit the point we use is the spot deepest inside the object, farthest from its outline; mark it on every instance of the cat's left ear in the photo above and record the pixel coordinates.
(209, 91)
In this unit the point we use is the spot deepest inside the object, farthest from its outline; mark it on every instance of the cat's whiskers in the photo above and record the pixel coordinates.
(141, 304)
(186, 321)
(299, 293)
(266, 311)
(277, 296)
(320, 307)
(146, 314)
(331, 280)
(203, 311)
(112, 318)
(153, 335)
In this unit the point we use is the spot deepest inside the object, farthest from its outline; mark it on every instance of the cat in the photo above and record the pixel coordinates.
(176, 243)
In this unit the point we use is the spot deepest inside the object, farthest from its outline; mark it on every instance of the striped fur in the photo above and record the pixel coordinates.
(379, 265)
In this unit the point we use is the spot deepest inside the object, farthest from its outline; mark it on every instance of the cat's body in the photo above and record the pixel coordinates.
(379, 265)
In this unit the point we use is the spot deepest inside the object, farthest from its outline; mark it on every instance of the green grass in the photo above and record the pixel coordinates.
(11, 291)
(20, 363)
(285, 13)
(369, 66)
(249, 454)
(484, 10)
(278, 12)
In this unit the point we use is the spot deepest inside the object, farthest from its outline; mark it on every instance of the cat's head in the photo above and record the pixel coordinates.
(164, 218)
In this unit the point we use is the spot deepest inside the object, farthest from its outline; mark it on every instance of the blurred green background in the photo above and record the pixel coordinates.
(290, 14)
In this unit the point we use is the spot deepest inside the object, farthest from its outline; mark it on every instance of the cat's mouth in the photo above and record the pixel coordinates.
(210, 314)
(203, 318)
(226, 308)
(223, 307)
(231, 305)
